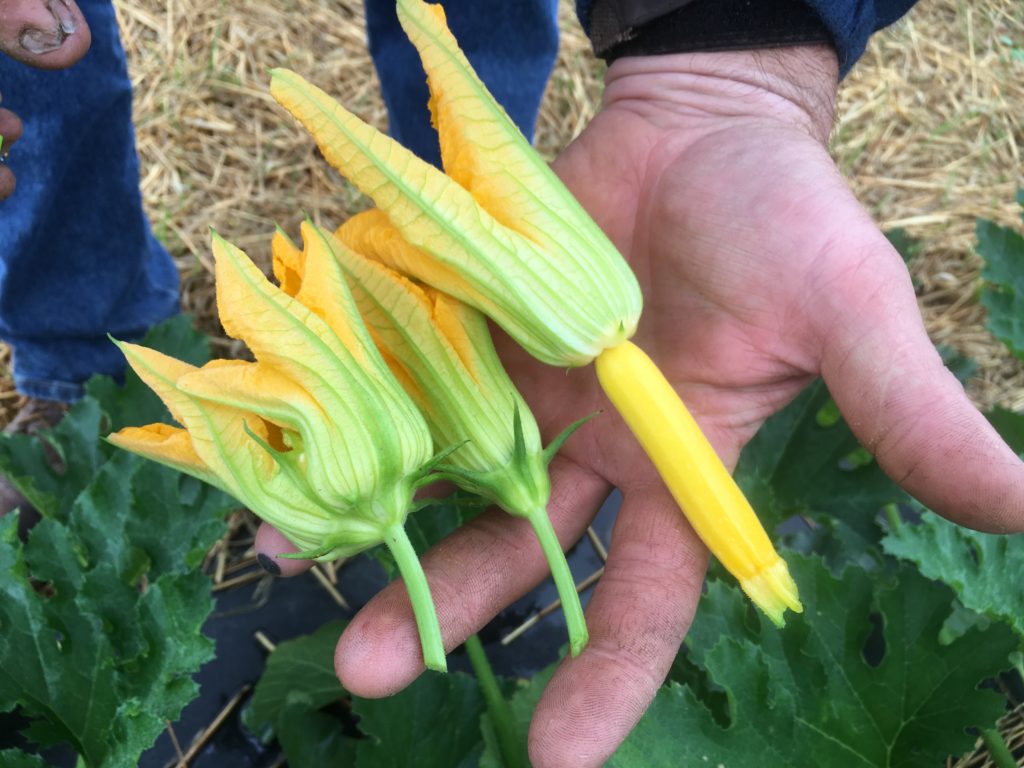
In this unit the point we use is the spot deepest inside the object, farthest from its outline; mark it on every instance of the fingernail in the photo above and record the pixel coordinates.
(62, 13)
(38, 41)
(267, 564)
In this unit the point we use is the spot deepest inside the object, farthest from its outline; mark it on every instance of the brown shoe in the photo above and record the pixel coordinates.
(33, 416)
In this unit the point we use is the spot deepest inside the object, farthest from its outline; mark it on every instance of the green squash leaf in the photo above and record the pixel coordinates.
(26, 460)
(1009, 425)
(433, 722)
(15, 758)
(805, 461)
(436, 719)
(985, 570)
(1003, 295)
(299, 672)
(104, 660)
(313, 739)
(860, 679)
(101, 607)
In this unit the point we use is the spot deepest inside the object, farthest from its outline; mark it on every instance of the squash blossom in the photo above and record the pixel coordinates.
(499, 231)
(316, 437)
(440, 349)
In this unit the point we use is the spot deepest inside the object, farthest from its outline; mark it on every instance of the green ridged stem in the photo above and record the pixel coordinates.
(419, 595)
(564, 583)
(513, 750)
(997, 749)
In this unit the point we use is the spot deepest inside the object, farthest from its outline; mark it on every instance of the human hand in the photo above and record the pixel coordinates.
(760, 272)
(47, 34)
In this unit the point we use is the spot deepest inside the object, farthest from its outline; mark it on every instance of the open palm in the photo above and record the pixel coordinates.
(760, 272)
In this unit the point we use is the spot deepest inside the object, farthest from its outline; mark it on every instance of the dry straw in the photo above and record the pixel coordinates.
(929, 136)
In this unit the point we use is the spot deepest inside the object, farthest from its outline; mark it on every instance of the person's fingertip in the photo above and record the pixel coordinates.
(10, 128)
(7, 183)
(379, 654)
(576, 722)
(269, 544)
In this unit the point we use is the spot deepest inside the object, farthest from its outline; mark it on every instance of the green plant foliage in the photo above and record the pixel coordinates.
(103, 654)
(985, 570)
(433, 722)
(313, 739)
(15, 758)
(806, 461)
(101, 607)
(860, 679)
(299, 672)
(1010, 426)
(26, 461)
(906, 245)
(522, 696)
(1003, 295)
(297, 683)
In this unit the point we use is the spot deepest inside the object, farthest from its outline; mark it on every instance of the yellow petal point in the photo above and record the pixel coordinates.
(484, 150)
(159, 372)
(168, 445)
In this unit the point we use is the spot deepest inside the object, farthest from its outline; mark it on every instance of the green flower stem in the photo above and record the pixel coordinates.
(997, 749)
(571, 608)
(513, 749)
(892, 516)
(419, 595)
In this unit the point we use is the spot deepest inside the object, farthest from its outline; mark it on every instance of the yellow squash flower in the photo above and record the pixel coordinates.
(500, 232)
(441, 350)
(316, 437)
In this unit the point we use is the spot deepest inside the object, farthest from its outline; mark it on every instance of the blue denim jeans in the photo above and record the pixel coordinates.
(77, 257)
(78, 260)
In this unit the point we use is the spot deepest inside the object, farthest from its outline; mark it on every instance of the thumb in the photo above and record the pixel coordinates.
(48, 34)
(906, 408)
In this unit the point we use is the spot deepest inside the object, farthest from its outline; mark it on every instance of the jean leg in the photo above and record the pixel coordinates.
(77, 257)
(511, 45)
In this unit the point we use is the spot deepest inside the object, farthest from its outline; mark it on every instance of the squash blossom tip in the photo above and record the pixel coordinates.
(773, 590)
